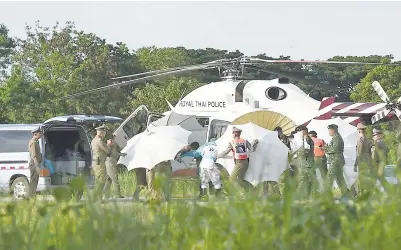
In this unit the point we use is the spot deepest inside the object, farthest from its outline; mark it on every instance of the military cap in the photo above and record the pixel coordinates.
(332, 126)
(360, 126)
(36, 130)
(377, 132)
(301, 128)
(236, 130)
(101, 128)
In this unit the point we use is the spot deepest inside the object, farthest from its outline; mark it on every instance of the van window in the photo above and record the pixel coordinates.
(14, 141)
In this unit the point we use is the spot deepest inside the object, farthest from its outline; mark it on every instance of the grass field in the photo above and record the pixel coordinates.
(370, 222)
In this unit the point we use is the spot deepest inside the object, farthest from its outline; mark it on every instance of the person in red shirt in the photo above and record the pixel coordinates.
(320, 155)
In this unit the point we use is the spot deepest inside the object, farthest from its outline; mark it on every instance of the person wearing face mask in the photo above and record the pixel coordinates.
(335, 160)
(363, 161)
(307, 173)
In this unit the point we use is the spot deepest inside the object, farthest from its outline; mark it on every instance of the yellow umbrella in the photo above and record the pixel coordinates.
(268, 120)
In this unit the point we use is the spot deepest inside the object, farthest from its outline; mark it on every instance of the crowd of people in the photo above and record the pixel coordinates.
(314, 153)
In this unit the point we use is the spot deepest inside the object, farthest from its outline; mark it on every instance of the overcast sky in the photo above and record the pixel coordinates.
(303, 30)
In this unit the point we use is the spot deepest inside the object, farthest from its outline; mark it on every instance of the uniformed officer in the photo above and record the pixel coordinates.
(320, 155)
(35, 160)
(306, 165)
(162, 170)
(363, 161)
(240, 148)
(379, 157)
(100, 152)
(335, 161)
(111, 166)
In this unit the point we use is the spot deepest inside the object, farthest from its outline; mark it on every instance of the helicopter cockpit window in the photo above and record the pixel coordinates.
(217, 128)
(276, 93)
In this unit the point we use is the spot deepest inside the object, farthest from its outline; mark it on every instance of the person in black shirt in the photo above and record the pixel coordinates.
(283, 137)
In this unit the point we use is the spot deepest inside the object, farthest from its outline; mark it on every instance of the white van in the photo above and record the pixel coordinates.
(65, 143)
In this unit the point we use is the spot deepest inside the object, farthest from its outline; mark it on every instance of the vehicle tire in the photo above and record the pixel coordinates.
(20, 188)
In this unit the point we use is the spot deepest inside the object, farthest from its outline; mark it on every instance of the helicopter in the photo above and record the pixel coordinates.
(234, 94)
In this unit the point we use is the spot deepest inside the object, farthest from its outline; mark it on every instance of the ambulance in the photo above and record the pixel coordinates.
(65, 145)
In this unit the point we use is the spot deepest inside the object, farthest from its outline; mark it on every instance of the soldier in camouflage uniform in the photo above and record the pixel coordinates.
(379, 156)
(307, 173)
(335, 160)
(363, 161)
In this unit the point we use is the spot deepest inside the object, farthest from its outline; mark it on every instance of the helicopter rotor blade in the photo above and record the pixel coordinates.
(379, 90)
(154, 72)
(296, 77)
(165, 73)
(250, 60)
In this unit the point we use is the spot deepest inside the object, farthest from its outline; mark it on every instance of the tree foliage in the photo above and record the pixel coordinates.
(52, 62)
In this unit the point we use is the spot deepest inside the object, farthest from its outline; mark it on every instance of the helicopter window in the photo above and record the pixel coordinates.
(256, 103)
(275, 93)
(217, 128)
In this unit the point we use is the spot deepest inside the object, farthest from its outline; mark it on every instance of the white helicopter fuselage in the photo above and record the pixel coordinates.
(239, 96)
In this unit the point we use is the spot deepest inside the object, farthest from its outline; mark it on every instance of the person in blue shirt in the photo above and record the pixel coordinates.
(193, 150)
(207, 169)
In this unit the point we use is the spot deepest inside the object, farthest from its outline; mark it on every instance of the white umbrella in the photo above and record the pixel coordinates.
(350, 137)
(269, 160)
(129, 149)
(159, 144)
(266, 162)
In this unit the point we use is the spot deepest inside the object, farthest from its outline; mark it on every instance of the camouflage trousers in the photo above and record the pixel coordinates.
(271, 187)
(321, 164)
(335, 173)
(308, 183)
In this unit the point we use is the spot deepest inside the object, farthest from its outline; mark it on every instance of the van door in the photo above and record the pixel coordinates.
(135, 123)
(217, 128)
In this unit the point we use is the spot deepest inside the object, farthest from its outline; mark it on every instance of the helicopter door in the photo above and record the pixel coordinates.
(135, 123)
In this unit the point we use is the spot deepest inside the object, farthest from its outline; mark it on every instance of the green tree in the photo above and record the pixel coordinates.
(60, 61)
(389, 78)
(7, 45)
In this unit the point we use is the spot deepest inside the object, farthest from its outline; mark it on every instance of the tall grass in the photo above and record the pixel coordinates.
(369, 222)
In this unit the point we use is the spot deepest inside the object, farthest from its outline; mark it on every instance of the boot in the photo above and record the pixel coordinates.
(204, 196)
